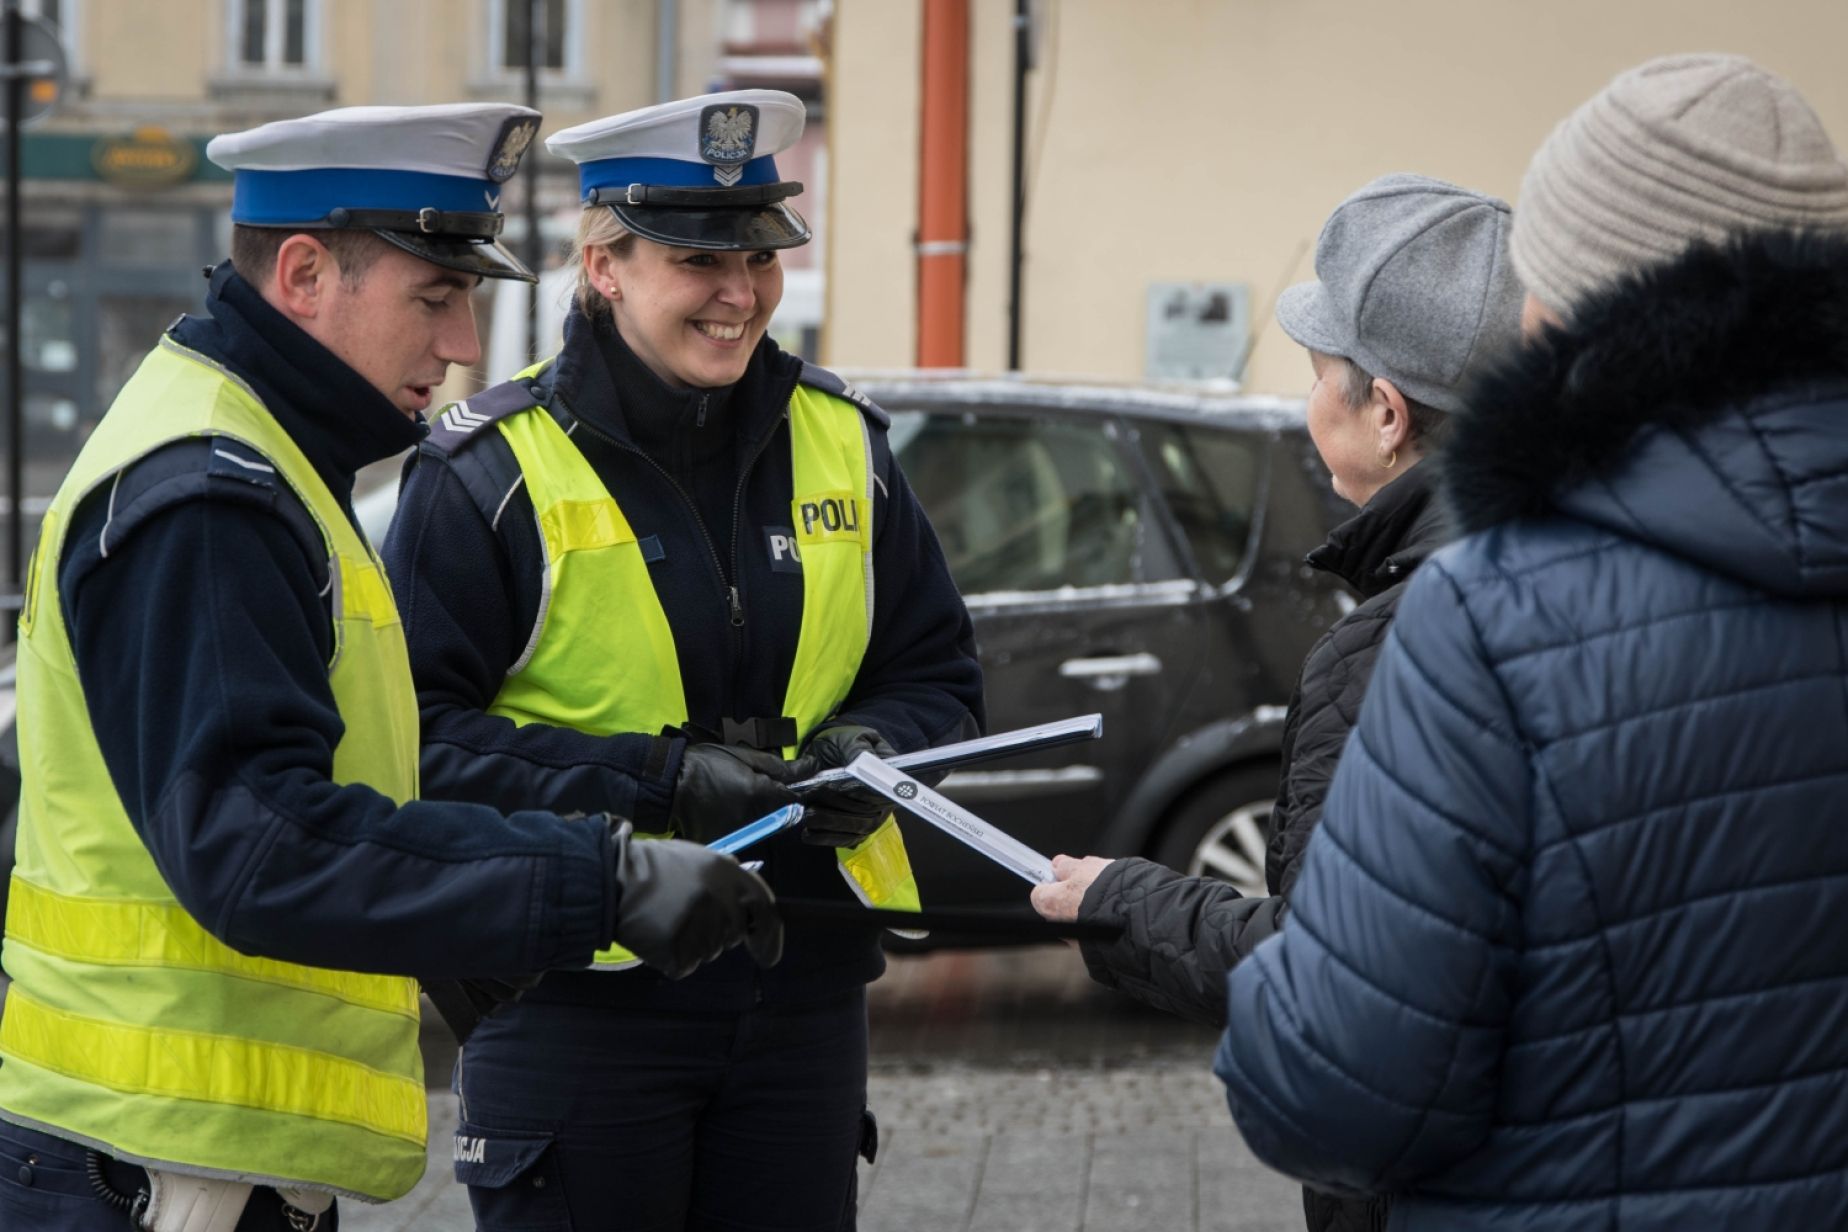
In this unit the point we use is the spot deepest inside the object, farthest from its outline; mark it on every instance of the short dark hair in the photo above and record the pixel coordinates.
(1428, 424)
(254, 249)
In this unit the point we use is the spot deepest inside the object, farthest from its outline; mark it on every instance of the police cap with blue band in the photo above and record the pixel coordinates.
(426, 179)
(697, 172)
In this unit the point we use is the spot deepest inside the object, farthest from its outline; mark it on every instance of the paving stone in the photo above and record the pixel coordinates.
(1139, 1181)
(1032, 1182)
(927, 1185)
(1239, 1194)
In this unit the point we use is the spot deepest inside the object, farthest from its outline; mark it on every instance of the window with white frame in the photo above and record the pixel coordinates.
(555, 26)
(274, 35)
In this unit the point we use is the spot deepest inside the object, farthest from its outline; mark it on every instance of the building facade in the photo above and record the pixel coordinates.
(1203, 141)
(123, 210)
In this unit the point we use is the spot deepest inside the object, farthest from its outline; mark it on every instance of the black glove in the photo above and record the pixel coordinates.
(682, 905)
(723, 786)
(464, 1003)
(843, 814)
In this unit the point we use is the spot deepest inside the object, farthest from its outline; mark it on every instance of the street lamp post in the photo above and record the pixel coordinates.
(15, 260)
(535, 252)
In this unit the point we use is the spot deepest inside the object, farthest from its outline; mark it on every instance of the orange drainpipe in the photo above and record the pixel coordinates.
(943, 179)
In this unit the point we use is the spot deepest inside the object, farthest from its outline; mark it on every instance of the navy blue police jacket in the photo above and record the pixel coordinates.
(195, 588)
(704, 479)
(1567, 950)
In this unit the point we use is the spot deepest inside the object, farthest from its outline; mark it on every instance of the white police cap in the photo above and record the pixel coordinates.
(698, 172)
(427, 179)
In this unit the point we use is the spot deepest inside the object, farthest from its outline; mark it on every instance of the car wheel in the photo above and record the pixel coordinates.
(1222, 829)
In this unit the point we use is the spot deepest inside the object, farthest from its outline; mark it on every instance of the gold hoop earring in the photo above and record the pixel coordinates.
(1389, 463)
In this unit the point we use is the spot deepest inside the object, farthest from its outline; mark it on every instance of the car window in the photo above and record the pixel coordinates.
(1029, 503)
(1210, 480)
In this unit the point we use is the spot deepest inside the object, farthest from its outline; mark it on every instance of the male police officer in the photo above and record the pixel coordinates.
(219, 732)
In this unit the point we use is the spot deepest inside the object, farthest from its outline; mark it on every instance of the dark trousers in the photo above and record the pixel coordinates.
(46, 1185)
(591, 1118)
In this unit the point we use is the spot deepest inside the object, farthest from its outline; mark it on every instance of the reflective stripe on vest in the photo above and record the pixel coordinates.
(128, 1025)
(568, 678)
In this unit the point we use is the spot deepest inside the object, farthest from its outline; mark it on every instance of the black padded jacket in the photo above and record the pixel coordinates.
(1182, 934)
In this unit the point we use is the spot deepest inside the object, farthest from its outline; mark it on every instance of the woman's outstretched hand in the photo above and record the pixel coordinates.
(1058, 900)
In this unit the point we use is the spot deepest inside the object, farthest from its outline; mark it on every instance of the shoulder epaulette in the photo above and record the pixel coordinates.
(460, 422)
(817, 377)
(233, 459)
(213, 467)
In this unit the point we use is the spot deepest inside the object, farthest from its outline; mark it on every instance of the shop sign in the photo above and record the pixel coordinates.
(148, 158)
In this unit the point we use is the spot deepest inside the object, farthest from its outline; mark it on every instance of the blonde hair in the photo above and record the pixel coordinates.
(598, 227)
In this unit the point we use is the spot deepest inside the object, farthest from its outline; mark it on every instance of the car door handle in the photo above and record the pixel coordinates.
(1110, 666)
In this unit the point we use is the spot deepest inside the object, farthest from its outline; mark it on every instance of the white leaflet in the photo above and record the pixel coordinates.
(952, 818)
(965, 752)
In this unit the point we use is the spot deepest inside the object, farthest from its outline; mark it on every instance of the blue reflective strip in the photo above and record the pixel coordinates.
(667, 173)
(762, 828)
(309, 196)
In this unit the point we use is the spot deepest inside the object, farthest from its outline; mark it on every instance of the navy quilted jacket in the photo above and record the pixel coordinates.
(1570, 946)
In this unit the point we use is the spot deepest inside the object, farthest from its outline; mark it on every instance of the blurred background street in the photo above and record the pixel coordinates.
(1012, 1093)
(1049, 238)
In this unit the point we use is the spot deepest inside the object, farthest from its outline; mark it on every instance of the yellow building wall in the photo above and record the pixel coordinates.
(159, 51)
(1207, 140)
(172, 57)
(871, 312)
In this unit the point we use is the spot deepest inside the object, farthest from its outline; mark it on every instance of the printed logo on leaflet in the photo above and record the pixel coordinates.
(471, 1150)
(906, 790)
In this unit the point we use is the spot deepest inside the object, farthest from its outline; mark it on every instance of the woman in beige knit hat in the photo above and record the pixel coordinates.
(1566, 950)
(1681, 150)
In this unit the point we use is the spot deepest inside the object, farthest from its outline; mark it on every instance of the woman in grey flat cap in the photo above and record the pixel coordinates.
(1567, 948)
(1413, 293)
(668, 573)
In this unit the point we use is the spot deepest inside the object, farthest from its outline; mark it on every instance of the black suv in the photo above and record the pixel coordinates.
(1130, 551)
(1123, 550)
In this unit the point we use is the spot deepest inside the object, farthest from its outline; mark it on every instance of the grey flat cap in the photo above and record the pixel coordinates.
(1414, 285)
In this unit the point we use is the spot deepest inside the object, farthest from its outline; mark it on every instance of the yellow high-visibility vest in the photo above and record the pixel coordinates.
(599, 595)
(128, 1025)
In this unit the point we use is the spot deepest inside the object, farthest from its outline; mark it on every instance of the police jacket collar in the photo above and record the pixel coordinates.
(1391, 535)
(604, 383)
(333, 414)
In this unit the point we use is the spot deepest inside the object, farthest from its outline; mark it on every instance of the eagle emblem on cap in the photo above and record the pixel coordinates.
(727, 138)
(515, 135)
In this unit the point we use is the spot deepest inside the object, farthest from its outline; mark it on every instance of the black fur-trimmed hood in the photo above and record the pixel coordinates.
(1702, 405)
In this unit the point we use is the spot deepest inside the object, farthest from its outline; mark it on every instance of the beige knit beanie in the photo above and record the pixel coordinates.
(1678, 150)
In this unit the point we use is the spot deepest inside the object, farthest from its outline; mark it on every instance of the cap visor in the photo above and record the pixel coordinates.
(753, 228)
(484, 257)
(1306, 316)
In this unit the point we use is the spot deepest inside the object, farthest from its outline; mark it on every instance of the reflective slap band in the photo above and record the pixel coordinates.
(278, 198)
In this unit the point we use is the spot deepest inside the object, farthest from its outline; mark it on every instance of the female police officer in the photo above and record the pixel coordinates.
(638, 578)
